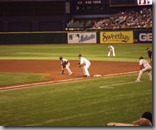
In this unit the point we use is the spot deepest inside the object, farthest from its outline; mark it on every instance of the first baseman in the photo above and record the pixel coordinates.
(65, 64)
(86, 64)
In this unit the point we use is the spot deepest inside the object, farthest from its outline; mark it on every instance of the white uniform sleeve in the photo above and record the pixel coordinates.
(140, 62)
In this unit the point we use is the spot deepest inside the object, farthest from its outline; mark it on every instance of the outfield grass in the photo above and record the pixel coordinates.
(124, 52)
(81, 103)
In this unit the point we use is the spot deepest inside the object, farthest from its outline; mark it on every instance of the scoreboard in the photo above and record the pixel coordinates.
(121, 3)
(144, 2)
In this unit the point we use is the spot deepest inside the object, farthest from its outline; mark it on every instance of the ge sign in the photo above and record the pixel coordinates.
(145, 37)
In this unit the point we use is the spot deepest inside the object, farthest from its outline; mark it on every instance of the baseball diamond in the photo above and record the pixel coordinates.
(76, 63)
(52, 71)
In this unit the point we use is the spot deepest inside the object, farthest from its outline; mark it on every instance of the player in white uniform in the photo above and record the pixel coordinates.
(65, 64)
(86, 64)
(111, 49)
(144, 67)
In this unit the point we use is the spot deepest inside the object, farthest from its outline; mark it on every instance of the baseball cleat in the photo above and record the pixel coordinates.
(86, 76)
(71, 73)
(138, 80)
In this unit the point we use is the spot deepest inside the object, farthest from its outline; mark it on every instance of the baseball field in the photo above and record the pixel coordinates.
(34, 93)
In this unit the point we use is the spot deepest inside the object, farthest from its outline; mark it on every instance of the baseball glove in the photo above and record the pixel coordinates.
(79, 65)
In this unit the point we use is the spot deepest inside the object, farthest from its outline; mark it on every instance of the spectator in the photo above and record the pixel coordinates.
(144, 120)
(128, 19)
(147, 115)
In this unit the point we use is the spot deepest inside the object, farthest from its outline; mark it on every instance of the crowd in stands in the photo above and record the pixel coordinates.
(126, 19)
(80, 24)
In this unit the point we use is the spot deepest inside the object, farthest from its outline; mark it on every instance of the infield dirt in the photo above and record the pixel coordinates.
(52, 68)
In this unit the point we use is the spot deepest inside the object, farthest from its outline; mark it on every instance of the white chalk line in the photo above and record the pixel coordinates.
(111, 75)
(111, 86)
(38, 84)
(58, 81)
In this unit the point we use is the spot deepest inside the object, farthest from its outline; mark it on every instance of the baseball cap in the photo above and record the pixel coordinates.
(79, 55)
(141, 57)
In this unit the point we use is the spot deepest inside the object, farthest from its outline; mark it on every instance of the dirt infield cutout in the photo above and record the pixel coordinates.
(51, 68)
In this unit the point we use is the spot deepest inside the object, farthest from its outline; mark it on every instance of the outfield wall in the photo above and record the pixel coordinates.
(33, 38)
(65, 37)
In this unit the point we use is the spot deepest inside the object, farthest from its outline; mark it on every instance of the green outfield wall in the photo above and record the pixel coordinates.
(33, 38)
(83, 37)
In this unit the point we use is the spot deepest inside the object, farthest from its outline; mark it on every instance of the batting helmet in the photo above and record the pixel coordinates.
(60, 57)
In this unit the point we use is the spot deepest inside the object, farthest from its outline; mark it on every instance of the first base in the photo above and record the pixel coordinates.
(97, 75)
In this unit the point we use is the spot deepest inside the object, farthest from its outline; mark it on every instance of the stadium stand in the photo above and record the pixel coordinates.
(110, 17)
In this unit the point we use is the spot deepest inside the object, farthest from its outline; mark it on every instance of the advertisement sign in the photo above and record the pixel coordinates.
(116, 37)
(82, 37)
(143, 36)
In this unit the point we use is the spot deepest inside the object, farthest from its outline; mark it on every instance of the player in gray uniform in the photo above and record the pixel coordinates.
(86, 64)
(65, 64)
(144, 67)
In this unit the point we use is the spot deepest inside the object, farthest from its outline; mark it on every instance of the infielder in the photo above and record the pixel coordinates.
(149, 52)
(65, 64)
(86, 64)
(144, 67)
(111, 49)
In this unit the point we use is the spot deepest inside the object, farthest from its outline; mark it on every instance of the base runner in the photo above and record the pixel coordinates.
(65, 64)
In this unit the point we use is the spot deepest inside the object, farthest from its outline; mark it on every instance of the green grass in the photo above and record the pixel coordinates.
(124, 52)
(15, 78)
(80, 103)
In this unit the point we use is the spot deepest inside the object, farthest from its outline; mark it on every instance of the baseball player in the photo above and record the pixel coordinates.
(144, 67)
(111, 49)
(65, 64)
(86, 64)
(149, 52)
